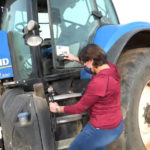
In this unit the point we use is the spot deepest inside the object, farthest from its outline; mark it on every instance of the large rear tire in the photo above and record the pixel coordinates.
(134, 66)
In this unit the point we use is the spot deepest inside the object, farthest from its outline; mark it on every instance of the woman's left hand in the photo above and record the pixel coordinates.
(53, 107)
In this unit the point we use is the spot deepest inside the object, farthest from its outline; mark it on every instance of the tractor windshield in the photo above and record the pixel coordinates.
(74, 25)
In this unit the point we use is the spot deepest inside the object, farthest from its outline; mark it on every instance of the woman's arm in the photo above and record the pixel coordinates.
(85, 102)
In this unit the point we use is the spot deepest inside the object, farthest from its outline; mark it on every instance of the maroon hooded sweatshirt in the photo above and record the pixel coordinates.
(102, 99)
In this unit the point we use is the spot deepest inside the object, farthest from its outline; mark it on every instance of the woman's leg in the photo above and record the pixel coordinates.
(85, 140)
(95, 139)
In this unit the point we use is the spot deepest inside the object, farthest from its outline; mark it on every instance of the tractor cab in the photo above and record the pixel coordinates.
(65, 26)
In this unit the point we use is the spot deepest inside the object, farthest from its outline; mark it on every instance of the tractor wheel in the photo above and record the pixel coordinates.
(134, 66)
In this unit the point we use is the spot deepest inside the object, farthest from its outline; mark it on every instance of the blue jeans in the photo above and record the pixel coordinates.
(95, 139)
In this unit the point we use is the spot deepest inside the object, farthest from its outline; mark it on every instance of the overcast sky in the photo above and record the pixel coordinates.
(132, 10)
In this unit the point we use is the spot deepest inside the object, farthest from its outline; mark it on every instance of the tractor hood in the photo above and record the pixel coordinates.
(107, 35)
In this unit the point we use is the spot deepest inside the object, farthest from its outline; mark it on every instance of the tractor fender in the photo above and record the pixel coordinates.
(134, 39)
(113, 38)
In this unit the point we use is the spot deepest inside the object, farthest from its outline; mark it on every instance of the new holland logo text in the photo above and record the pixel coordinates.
(4, 63)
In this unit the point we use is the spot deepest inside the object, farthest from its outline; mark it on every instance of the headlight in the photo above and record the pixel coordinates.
(34, 40)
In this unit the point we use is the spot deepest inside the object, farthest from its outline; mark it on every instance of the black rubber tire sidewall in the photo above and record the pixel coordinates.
(137, 75)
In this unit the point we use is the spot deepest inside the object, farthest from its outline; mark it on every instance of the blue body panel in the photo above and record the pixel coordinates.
(5, 60)
(106, 36)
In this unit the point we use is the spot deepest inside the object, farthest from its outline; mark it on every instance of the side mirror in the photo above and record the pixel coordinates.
(30, 36)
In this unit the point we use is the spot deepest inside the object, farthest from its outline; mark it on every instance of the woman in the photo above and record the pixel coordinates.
(101, 98)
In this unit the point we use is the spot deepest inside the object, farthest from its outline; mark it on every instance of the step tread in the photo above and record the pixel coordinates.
(68, 118)
(65, 96)
(63, 144)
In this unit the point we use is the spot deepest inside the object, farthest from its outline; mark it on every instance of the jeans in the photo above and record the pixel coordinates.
(95, 139)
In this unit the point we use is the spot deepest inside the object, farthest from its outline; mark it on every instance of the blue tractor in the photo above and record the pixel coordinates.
(35, 35)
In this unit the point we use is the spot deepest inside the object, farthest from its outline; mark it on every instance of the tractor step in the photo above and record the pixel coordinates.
(65, 96)
(68, 118)
(64, 144)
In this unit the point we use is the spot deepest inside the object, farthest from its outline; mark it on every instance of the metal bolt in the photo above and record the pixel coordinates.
(70, 92)
(50, 89)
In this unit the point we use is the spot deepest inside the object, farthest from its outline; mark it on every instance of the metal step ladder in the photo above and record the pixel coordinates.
(65, 143)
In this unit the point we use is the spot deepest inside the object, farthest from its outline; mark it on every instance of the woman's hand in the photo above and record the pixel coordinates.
(71, 57)
(55, 108)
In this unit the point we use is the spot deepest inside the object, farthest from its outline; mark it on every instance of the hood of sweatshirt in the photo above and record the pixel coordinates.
(112, 71)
